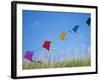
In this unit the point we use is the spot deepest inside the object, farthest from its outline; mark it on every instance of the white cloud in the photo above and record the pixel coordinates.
(35, 23)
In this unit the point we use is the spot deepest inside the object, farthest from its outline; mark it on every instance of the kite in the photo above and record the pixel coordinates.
(88, 21)
(46, 45)
(75, 28)
(28, 55)
(62, 35)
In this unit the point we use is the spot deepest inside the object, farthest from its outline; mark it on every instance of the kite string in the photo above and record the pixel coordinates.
(52, 41)
(50, 56)
(68, 34)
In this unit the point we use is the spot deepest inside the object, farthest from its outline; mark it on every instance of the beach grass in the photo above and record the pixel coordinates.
(65, 63)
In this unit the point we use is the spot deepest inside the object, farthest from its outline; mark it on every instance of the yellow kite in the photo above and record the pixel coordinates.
(62, 35)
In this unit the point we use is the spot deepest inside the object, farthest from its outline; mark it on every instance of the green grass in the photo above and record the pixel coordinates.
(65, 63)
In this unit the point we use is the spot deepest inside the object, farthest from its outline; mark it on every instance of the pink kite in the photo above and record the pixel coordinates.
(28, 55)
(46, 45)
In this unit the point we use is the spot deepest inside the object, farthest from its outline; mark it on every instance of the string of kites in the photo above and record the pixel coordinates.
(29, 54)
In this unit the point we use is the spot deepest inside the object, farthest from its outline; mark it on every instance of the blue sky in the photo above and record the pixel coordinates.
(39, 26)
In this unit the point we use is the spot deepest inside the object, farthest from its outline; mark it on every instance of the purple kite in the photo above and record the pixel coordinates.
(28, 55)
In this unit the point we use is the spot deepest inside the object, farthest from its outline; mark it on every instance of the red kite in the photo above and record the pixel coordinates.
(46, 45)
